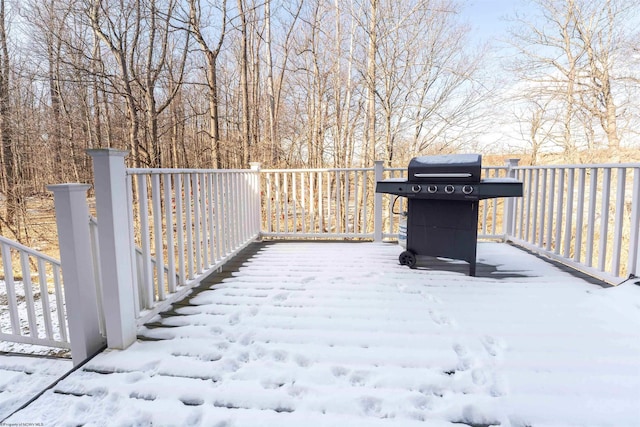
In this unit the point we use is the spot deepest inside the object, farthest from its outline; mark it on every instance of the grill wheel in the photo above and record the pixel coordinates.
(407, 258)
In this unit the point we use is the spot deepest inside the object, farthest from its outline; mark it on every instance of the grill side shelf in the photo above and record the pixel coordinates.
(488, 190)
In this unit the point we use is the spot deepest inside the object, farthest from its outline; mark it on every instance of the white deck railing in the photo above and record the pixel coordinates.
(159, 233)
(341, 203)
(186, 224)
(586, 216)
(32, 306)
(162, 230)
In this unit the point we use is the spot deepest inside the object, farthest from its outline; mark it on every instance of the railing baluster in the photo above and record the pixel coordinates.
(543, 207)
(286, 201)
(346, 201)
(188, 214)
(604, 219)
(180, 229)
(306, 201)
(568, 230)
(278, 229)
(527, 202)
(136, 262)
(195, 190)
(356, 209)
(294, 196)
(320, 207)
(365, 202)
(619, 219)
(204, 229)
(11, 289)
(243, 207)
(233, 218)
(313, 203)
(593, 191)
(534, 218)
(147, 268)
(217, 178)
(28, 294)
(168, 219)
(337, 207)
(60, 308)
(579, 215)
(157, 235)
(229, 212)
(633, 263)
(44, 298)
(552, 194)
(212, 226)
(269, 211)
(242, 179)
(559, 211)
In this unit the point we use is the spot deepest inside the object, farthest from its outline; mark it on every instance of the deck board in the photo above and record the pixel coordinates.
(305, 333)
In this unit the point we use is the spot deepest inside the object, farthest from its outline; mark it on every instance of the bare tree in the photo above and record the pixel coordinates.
(370, 130)
(244, 85)
(211, 52)
(600, 29)
(570, 55)
(159, 64)
(119, 29)
(11, 171)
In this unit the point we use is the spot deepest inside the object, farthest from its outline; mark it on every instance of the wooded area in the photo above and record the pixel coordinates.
(299, 83)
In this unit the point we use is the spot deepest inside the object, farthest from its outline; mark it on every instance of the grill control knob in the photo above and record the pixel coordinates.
(467, 189)
(416, 188)
(432, 189)
(449, 189)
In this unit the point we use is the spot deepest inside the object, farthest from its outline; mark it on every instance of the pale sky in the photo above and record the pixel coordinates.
(486, 17)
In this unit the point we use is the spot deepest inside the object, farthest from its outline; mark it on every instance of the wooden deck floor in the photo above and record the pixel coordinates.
(301, 333)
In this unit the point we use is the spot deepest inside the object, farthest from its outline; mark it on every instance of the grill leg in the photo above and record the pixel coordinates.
(472, 268)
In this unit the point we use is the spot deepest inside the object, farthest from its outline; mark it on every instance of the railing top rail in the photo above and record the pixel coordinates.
(162, 171)
(585, 166)
(28, 250)
(299, 170)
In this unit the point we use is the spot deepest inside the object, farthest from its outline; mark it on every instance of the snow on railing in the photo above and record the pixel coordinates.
(32, 309)
(586, 216)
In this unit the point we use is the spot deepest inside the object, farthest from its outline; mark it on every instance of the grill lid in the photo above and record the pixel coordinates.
(450, 168)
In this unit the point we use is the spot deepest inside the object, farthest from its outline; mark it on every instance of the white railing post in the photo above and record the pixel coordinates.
(72, 220)
(257, 200)
(634, 241)
(377, 203)
(510, 211)
(113, 209)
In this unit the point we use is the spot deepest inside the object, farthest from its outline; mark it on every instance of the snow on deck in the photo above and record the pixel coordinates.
(23, 377)
(333, 334)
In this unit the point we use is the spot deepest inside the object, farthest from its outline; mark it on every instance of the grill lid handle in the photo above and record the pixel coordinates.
(442, 175)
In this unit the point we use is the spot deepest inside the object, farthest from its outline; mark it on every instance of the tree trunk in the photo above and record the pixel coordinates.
(10, 169)
(244, 83)
(273, 142)
(370, 130)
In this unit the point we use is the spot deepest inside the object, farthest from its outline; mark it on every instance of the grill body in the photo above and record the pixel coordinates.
(443, 193)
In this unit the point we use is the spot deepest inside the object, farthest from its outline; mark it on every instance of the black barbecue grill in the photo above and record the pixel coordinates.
(443, 194)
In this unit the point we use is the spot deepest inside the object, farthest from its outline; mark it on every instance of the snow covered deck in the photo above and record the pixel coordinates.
(333, 334)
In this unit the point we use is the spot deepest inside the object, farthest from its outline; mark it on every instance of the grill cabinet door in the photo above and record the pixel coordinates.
(445, 228)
